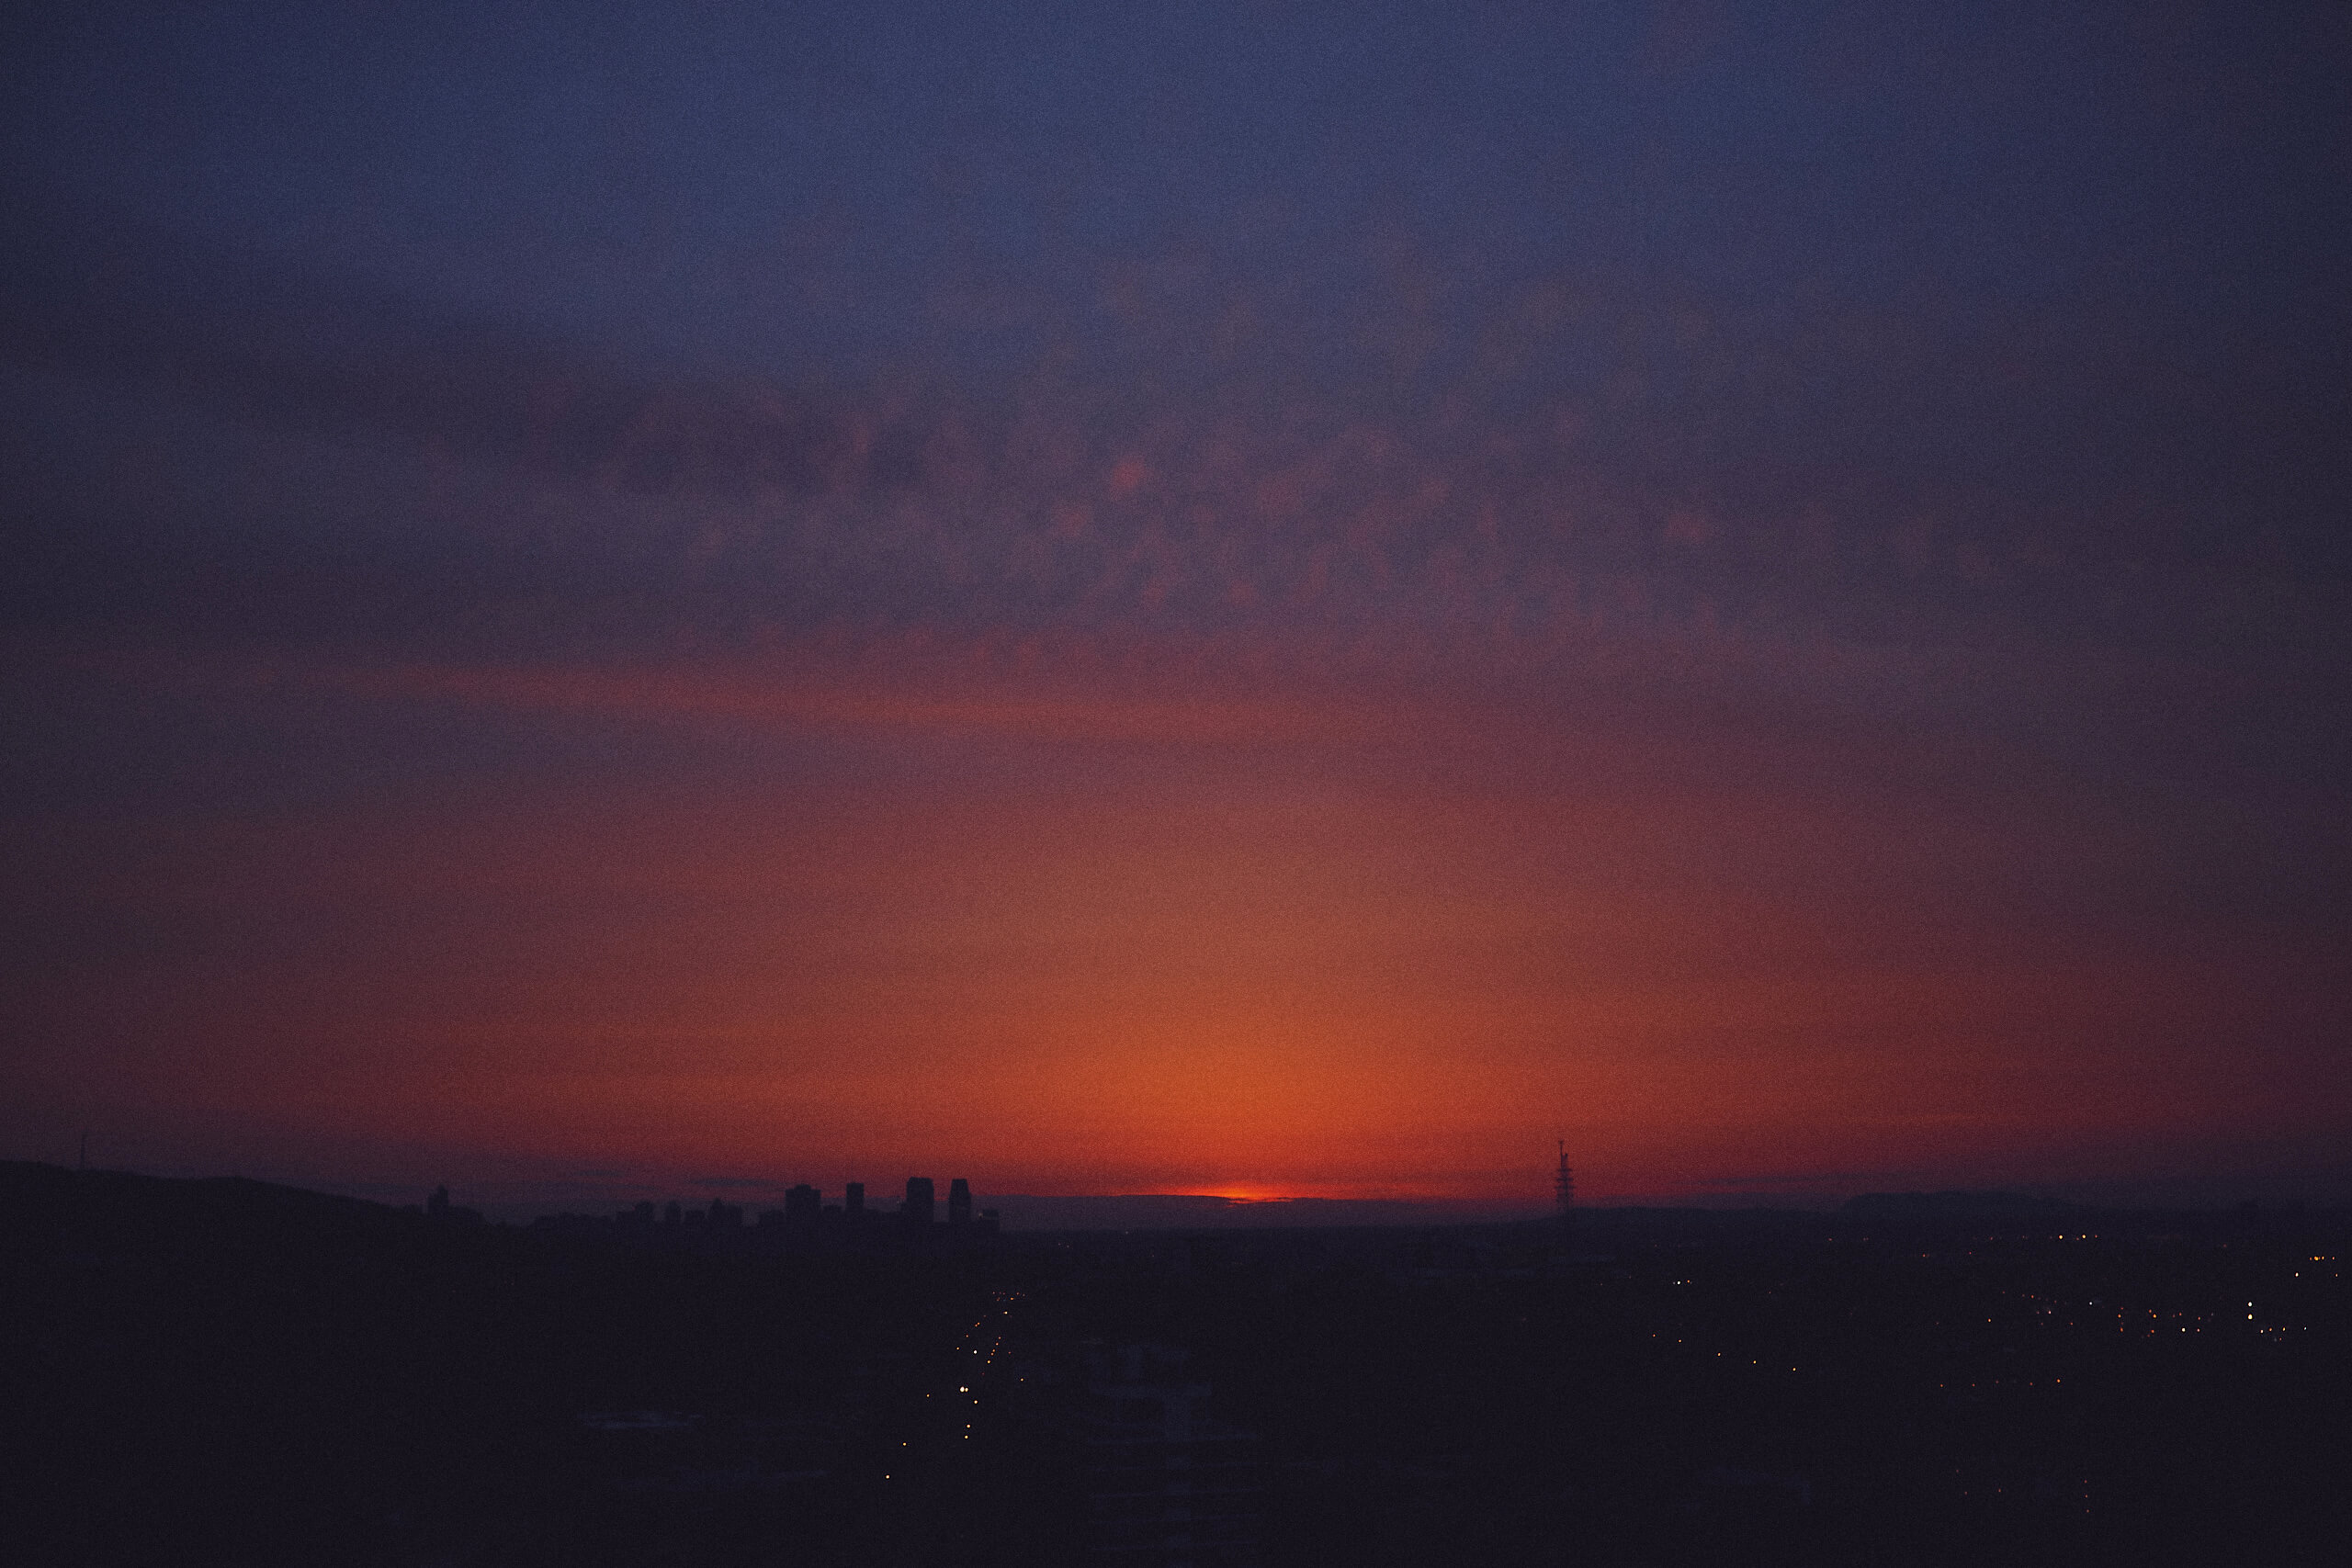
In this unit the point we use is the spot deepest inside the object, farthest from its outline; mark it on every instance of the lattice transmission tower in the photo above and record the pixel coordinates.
(1563, 1191)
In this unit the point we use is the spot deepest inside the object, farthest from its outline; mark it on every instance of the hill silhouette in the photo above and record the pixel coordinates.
(1936, 1204)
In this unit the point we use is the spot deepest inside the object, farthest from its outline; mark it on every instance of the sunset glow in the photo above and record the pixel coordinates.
(1306, 674)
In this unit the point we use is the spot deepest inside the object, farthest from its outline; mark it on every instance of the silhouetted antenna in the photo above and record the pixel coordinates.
(1564, 1186)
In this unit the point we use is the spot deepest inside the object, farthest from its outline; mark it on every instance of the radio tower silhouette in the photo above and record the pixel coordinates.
(1564, 1194)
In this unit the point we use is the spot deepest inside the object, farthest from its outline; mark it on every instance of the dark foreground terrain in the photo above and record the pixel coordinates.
(232, 1371)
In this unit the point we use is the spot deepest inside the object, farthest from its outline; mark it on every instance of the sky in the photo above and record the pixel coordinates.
(1258, 601)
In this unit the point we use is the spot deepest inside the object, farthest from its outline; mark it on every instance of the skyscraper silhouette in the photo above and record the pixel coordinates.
(917, 1209)
(959, 1202)
(803, 1207)
(1564, 1194)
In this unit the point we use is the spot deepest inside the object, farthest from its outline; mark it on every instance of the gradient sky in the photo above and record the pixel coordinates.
(1224, 599)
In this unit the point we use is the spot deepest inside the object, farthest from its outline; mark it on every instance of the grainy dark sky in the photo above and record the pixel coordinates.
(1224, 599)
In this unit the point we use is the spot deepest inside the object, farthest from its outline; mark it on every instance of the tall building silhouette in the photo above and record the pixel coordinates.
(854, 1202)
(1167, 1485)
(959, 1202)
(1564, 1192)
(803, 1205)
(917, 1209)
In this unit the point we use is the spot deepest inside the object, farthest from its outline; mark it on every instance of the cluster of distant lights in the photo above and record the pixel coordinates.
(1004, 1300)
(2195, 1324)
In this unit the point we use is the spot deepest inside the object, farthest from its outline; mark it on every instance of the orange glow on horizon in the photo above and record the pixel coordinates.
(1256, 975)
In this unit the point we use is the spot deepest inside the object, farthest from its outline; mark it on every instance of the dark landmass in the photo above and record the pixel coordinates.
(1872, 1204)
(228, 1370)
(1189, 1211)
